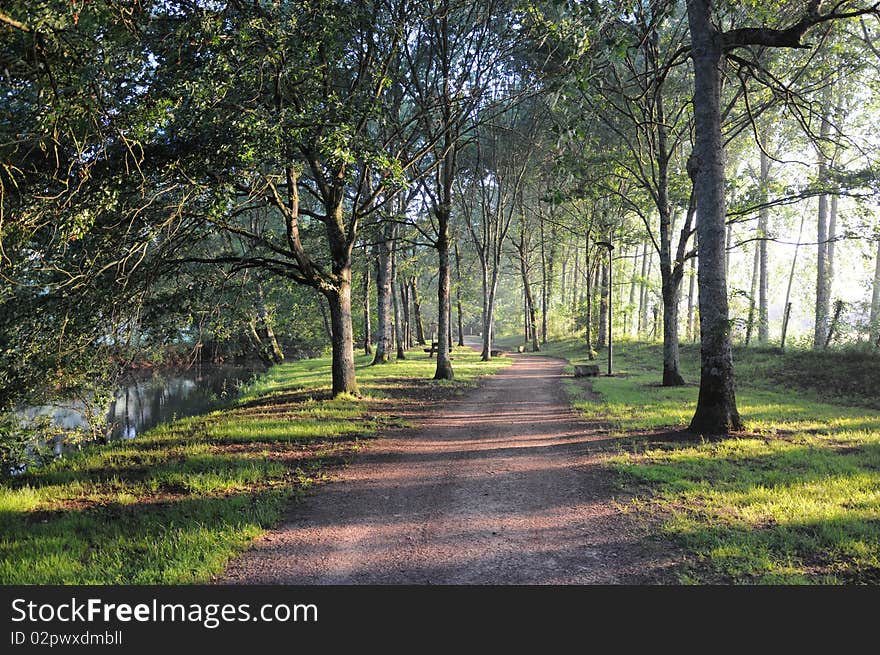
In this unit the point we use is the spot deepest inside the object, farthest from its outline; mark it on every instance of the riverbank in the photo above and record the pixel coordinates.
(792, 500)
(175, 504)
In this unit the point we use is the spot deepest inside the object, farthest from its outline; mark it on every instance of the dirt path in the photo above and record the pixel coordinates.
(499, 487)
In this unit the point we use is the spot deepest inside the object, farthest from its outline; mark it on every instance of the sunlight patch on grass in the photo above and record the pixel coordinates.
(766, 512)
(795, 500)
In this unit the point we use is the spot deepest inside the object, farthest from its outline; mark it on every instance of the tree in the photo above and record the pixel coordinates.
(638, 93)
(384, 260)
(367, 318)
(523, 247)
(317, 136)
(716, 412)
(456, 53)
(763, 233)
(825, 234)
(59, 269)
(488, 206)
(548, 261)
(875, 300)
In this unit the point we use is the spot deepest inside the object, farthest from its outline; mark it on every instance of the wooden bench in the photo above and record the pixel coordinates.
(433, 349)
(586, 370)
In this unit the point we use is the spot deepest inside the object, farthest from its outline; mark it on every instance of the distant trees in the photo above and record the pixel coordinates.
(460, 65)
(501, 156)
(640, 94)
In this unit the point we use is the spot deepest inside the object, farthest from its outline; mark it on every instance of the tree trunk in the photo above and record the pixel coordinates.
(343, 335)
(646, 290)
(399, 326)
(630, 325)
(547, 265)
(257, 342)
(621, 306)
(692, 282)
(489, 323)
(835, 323)
(642, 310)
(277, 353)
(602, 338)
(671, 275)
(787, 305)
(875, 300)
(444, 364)
(670, 272)
(584, 280)
(564, 274)
(458, 295)
(417, 310)
(763, 228)
(716, 412)
(786, 314)
(261, 334)
(368, 348)
(328, 328)
(418, 321)
(823, 293)
(543, 278)
(753, 293)
(449, 326)
(832, 237)
(383, 296)
(490, 261)
(403, 290)
(823, 278)
(536, 347)
(531, 330)
(671, 298)
(588, 337)
(274, 352)
(484, 331)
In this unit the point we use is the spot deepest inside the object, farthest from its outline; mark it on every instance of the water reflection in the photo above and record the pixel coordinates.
(146, 401)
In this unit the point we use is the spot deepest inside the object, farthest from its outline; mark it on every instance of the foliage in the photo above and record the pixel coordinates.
(23, 443)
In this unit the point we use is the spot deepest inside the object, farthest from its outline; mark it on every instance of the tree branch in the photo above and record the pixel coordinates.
(791, 36)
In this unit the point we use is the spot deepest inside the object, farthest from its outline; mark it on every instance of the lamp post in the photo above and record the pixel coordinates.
(610, 246)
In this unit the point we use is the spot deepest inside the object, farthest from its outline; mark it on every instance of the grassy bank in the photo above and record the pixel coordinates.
(173, 505)
(794, 499)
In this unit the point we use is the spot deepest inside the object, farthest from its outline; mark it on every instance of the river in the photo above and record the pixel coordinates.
(146, 400)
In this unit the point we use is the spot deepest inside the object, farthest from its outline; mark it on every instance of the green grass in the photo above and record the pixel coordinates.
(793, 500)
(174, 505)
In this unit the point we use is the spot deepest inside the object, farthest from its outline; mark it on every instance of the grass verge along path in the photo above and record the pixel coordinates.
(174, 505)
(794, 499)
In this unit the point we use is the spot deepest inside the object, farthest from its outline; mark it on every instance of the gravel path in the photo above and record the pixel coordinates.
(500, 486)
